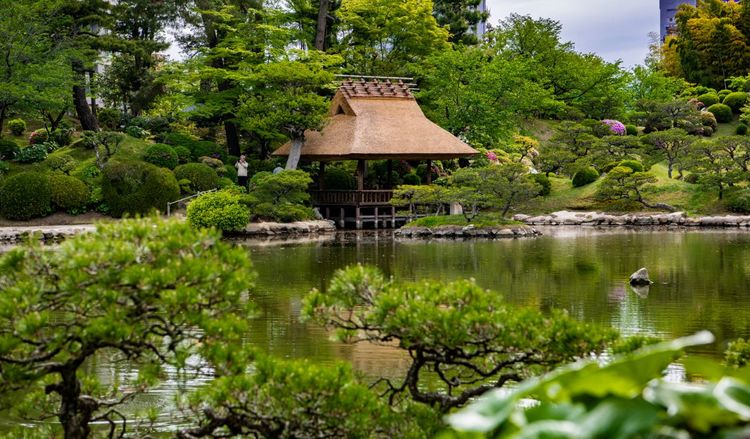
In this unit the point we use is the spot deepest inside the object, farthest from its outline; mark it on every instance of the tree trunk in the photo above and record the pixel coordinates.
(2, 120)
(233, 138)
(669, 170)
(295, 153)
(85, 115)
(75, 412)
(322, 30)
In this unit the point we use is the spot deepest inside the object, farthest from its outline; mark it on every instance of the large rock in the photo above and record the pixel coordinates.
(640, 277)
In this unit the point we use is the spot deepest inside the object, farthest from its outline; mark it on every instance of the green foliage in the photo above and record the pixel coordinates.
(109, 118)
(624, 398)
(411, 179)
(61, 162)
(25, 196)
(229, 172)
(32, 153)
(280, 197)
(475, 340)
(484, 220)
(201, 177)
(62, 136)
(338, 178)
(736, 101)
(421, 199)
(737, 353)
(183, 154)
(162, 155)
(137, 187)
(585, 176)
(39, 136)
(221, 210)
(724, 93)
(544, 182)
(68, 193)
(8, 149)
(17, 126)
(163, 294)
(741, 130)
(631, 130)
(623, 183)
(634, 165)
(709, 99)
(295, 399)
(671, 145)
(206, 148)
(500, 187)
(460, 17)
(137, 132)
(739, 201)
(723, 113)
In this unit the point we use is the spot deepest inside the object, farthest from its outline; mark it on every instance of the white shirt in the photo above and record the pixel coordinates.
(241, 169)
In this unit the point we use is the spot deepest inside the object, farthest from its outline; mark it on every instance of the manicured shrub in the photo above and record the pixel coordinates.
(230, 173)
(38, 136)
(723, 113)
(62, 163)
(137, 187)
(285, 213)
(222, 210)
(177, 139)
(544, 182)
(585, 176)
(17, 126)
(631, 130)
(8, 149)
(339, 179)
(24, 196)
(736, 101)
(709, 99)
(109, 118)
(32, 154)
(183, 154)
(205, 148)
(137, 132)
(231, 160)
(723, 93)
(632, 164)
(411, 179)
(709, 120)
(739, 202)
(68, 193)
(62, 136)
(608, 167)
(280, 197)
(162, 155)
(154, 125)
(741, 129)
(4, 167)
(224, 183)
(615, 127)
(202, 177)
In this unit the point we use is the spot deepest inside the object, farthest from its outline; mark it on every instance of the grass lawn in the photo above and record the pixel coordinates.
(482, 220)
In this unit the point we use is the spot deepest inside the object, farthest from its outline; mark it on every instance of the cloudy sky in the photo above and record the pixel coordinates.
(614, 29)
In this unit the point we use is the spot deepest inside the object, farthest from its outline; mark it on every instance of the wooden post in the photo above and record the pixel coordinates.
(389, 176)
(321, 176)
(361, 170)
(342, 218)
(429, 172)
(376, 217)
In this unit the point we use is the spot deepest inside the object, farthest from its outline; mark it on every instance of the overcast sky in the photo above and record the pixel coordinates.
(612, 29)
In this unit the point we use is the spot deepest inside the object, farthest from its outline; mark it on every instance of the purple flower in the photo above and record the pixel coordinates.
(615, 126)
(491, 156)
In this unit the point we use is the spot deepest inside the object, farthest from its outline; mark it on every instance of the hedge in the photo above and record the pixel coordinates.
(68, 193)
(161, 155)
(137, 187)
(202, 177)
(709, 99)
(222, 210)
(25, 196)
(736, 101)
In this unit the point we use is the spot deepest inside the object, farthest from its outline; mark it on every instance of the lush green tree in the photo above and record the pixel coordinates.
(672, 145)
(622, 183)
(652, 84)
(461, 339)
(571, 147)
(119, 290)
(737, 148)
(712, 163)
(294, 399)
(431, 197)
(623, 398)
(461, 18)
(384, 37)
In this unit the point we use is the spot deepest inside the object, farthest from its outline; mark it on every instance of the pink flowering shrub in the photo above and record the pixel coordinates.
(38, 137)
(491, 156)
(615, 126)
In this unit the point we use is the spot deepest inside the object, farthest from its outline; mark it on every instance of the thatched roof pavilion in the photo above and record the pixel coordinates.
(378, 120)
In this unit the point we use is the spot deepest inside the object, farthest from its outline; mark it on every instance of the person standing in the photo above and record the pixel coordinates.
(241, 166)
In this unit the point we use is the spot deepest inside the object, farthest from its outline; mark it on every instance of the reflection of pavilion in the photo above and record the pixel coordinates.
(373, 119)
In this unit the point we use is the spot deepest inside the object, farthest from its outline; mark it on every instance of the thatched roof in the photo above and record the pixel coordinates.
(378, 120)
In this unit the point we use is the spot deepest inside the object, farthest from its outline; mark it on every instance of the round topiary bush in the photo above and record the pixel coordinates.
(543, 181)
(183, 154)
(205, 148)
(137, 187)
(585, 176)
(631, 130)
(8, 149)
(741, 129)
(411, 179)
(709, 99)
(62, 163)
(24, 196)
(162, 155)
(202, 177)
(32, 153)
(739, 201)
(736, 101)
(68, 193)
(17, 126)
(636, 166)
(723, 113)
(222, 210)
(339, 179)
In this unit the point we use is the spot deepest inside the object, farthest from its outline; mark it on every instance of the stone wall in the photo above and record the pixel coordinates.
(467, 232)
(678, 219)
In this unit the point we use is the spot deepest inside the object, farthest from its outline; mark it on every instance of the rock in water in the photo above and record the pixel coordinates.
(640, 277)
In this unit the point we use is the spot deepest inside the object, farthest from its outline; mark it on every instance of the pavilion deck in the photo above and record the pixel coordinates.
(359, 208)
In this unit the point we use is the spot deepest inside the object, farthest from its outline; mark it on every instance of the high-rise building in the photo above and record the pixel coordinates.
(481, 27)
(668, 10)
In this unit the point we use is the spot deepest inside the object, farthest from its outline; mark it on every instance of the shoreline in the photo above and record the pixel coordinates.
(667, 220)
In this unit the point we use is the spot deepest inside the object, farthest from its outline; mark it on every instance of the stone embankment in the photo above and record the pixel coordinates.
(51, 234)
(677, 219)
(287, 229)
(467, 232)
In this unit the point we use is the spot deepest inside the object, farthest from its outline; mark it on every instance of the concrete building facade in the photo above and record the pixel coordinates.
(668, 10)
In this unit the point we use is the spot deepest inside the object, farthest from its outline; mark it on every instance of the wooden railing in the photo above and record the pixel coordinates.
(352, 198)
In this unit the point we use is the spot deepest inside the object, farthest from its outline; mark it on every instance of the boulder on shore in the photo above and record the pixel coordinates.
(640, 277)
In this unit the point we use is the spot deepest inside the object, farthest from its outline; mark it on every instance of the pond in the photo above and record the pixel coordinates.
(702, 281)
